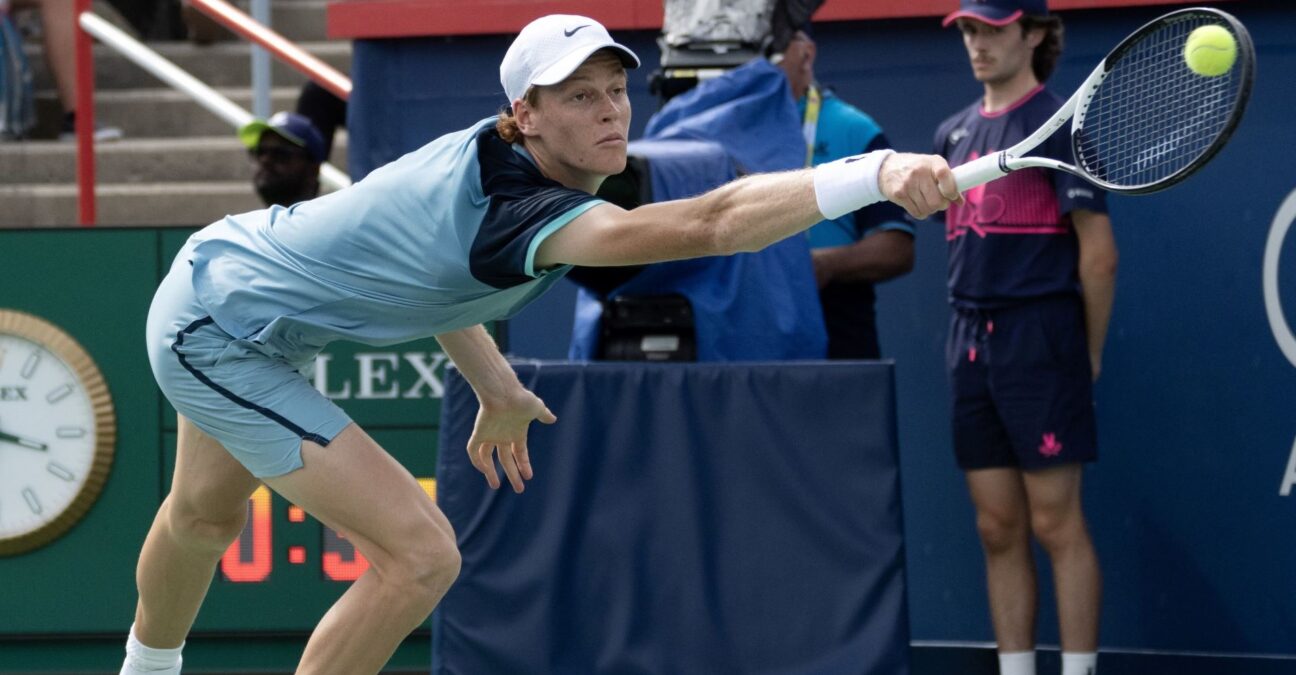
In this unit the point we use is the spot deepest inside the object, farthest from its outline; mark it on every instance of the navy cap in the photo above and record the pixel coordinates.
(297, 129)
(997, 12)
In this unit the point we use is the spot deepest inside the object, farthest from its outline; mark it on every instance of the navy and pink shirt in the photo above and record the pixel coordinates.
(1012, 240)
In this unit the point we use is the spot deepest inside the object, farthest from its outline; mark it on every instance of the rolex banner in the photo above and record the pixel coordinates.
(683, 518)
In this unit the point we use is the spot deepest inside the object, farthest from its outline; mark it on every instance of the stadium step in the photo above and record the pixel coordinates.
(138, 160)
(223, 64)
(170, 203)
(161, 113)
(300, 20)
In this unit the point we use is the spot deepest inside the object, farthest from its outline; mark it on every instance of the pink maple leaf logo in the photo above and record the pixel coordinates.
(1050, 447)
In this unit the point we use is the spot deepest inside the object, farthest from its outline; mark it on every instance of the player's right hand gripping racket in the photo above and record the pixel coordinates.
(1143, 120)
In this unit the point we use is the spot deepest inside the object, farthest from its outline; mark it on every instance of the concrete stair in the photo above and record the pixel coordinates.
(166, 113)
(121, 204)
(142, 181)
(222, 64)
(178, 163)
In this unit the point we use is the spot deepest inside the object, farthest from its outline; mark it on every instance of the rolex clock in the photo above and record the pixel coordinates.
(57, 432)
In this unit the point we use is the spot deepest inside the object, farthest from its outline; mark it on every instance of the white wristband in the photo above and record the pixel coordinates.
(849, 184)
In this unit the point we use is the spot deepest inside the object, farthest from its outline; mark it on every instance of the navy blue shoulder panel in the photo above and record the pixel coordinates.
(522, 202)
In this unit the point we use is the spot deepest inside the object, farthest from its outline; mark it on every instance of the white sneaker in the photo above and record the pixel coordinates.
(100, 134)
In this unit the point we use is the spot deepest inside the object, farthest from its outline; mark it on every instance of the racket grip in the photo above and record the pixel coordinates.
(978, 171)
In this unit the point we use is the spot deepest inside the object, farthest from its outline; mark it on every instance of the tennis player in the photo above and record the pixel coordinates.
(467, 229)
(1032, 265)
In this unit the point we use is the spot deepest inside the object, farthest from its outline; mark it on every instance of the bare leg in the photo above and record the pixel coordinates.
(199, 519)
(60, 44)
(356, 488)
(1003, 522)
(1059, 524)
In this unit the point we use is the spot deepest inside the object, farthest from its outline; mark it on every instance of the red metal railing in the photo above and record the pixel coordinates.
(234, 19)
(84, 121)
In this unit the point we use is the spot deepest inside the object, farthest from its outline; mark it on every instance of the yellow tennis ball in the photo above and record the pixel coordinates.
(1210, 51)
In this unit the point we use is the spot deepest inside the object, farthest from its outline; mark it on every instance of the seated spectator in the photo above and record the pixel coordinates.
(58, 33)
(287, 151)
(17, 102)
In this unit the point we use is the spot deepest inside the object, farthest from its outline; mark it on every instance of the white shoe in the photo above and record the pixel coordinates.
(100, 134)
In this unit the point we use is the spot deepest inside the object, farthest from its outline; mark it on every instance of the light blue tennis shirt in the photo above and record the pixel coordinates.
(441, 239)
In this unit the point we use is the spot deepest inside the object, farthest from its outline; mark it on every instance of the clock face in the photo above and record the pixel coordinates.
(56, 432)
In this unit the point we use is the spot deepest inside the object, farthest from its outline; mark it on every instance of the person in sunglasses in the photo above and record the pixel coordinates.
(286, 151)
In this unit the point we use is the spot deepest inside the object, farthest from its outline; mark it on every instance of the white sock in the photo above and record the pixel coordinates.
(142, 660)
(1079, 663)
(1017, 663)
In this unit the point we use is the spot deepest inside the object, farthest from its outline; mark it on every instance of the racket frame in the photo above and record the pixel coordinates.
(996, 165)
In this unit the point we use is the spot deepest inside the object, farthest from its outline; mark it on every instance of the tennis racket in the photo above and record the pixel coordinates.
(1142, 121)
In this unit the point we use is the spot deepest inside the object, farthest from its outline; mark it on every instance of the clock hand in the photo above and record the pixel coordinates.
(25, 442)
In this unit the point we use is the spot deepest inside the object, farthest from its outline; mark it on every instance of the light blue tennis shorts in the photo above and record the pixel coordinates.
(259, 406)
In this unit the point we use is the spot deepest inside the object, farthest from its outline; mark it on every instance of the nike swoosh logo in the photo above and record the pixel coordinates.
(854, 159)
(569, 33)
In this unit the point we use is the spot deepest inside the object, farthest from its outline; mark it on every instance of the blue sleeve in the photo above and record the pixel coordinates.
(881, 216)
(524, 208)
(1073, 192)
(503, 253)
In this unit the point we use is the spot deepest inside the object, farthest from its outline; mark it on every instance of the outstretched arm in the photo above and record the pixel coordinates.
(749, 213)
(506, 407)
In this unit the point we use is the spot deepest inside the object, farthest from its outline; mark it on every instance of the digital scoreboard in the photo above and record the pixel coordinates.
(251, 558)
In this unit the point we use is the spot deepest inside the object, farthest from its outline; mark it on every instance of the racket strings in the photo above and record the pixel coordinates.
(1152, 116)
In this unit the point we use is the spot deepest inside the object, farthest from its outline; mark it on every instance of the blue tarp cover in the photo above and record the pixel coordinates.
(683, 518)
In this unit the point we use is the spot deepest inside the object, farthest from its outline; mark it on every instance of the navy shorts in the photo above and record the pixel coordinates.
(1022, 386)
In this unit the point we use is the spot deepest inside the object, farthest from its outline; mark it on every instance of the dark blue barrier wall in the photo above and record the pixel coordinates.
(408, 92)
(681, 522)
(1195, 404)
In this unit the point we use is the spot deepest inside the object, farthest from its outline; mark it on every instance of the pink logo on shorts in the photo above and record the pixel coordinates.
(1050, 447)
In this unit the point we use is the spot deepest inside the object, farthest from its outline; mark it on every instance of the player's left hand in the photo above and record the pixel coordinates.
(501, 428)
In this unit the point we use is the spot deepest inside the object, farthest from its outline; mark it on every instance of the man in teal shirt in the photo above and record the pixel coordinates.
(859, 249)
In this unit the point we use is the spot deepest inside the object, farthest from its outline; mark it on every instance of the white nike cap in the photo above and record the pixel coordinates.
(553, 47)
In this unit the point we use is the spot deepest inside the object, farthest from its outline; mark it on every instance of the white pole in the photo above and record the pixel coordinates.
(172, 74)
(261, 65)
(332, 176)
